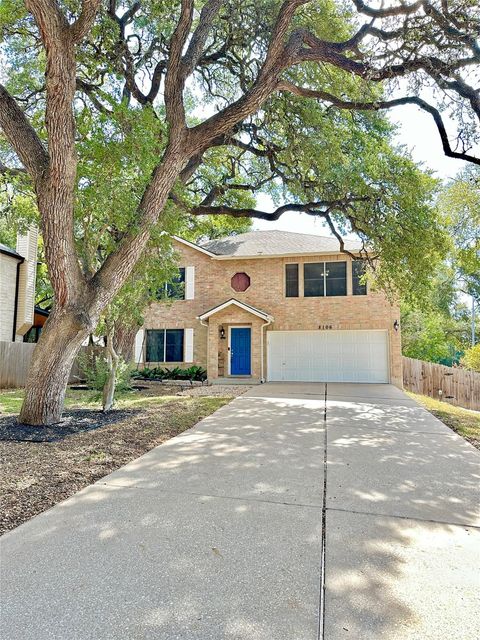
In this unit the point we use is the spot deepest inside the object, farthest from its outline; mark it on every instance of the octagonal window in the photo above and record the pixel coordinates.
(240, 282)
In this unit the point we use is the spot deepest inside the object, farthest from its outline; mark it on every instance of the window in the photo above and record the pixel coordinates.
(240, 282)
(33, 334)
(291, 280)
(325, 279)
(358, 269)
(175, 289)
(336, 278)
(313, 279)
(165, 345)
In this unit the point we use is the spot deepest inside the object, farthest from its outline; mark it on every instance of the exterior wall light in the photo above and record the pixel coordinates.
(396, 325)
(222, 333)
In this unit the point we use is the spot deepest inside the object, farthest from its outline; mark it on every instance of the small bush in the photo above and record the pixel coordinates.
(193, 373)
(94, 368)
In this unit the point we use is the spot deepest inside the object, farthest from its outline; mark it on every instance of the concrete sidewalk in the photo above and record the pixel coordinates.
(218, 532)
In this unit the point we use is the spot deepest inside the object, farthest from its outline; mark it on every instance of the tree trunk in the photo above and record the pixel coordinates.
(124, 340)
(52, 360)
(112, 362)
(80, 301)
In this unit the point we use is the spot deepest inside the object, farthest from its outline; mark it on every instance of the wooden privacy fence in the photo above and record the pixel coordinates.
(15, 361)
(456, 386)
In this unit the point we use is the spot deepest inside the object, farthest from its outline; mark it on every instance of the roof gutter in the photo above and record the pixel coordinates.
(262, 376)
(296, 254)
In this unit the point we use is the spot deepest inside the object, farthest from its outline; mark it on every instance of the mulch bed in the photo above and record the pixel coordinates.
(74, 421)
(49, 464)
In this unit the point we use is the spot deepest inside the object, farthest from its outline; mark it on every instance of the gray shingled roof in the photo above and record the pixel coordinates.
(268, 243)
(9, 251)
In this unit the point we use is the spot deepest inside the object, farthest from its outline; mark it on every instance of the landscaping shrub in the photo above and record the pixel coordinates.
(93, 366)
(193, 373)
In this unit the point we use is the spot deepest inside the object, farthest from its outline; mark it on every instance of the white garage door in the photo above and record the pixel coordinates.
(327, 356)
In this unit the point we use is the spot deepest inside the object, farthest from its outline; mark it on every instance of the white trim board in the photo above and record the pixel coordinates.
(194, 246)
(241, 305)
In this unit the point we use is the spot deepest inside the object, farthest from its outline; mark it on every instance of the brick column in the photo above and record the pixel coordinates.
(212, 366)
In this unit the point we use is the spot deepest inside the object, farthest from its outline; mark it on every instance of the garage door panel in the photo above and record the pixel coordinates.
(327, 356)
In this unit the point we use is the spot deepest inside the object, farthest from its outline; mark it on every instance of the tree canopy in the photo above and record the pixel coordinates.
(128, 119)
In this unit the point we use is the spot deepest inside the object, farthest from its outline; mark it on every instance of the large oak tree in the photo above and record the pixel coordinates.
(271, 78)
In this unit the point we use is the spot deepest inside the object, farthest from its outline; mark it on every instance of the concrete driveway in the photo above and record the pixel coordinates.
(296, 512)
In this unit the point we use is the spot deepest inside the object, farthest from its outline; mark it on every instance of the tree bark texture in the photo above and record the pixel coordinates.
(124, 340)
(52, 360)
(112, 363)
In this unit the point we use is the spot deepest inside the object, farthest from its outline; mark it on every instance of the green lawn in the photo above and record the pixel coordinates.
(463, 421)
(11, 400)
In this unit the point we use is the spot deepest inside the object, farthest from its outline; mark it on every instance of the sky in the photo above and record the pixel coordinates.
(417, 131)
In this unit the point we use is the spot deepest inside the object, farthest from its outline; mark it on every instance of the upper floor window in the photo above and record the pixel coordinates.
(359, 288)
(175, 289)
(165, 345)
(291, 280)
(325, 279)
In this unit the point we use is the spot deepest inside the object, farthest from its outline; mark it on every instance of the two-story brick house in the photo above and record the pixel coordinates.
(274, 306)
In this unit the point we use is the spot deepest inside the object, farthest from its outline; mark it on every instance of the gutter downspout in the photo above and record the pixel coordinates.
(208, 343)
(262, 378)
(15, 307)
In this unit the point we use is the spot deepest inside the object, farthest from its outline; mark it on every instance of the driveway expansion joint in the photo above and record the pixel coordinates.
(413, 518)
(209, 495)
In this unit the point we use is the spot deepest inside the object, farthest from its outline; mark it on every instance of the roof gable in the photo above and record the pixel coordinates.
(241, 305)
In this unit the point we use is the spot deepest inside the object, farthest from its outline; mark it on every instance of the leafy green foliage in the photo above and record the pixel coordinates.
(459, 205)
(193, 373)
(305, 151)
(471, 358)
(94, 368)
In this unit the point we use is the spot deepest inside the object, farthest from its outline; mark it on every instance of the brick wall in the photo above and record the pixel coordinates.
(267, 292)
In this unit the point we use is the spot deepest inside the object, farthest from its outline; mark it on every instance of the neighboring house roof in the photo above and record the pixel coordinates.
(242, 305)
(10, 252)
(275, 243)
(42, 312)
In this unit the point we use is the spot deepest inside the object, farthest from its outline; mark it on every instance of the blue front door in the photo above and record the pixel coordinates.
(240, 351)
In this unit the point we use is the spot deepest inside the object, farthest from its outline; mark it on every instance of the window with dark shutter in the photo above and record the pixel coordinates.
(336, 278)
(313, 279)
(358, 270)
(291, 280)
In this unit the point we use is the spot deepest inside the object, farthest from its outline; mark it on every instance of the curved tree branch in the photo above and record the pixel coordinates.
(380, 105)
(22, 136)
(80, 28)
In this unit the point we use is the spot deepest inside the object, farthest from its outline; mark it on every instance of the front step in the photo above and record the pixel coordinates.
(235, 381)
